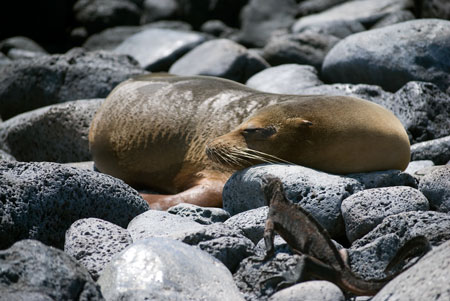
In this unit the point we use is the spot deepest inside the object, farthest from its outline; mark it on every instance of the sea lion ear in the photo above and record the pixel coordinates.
(299, 122)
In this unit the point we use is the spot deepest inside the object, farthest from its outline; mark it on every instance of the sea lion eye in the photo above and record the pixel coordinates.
(259, 132)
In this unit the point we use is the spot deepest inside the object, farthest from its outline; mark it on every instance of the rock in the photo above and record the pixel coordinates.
(20, 54)
(309, 7)
(154, 10)
(262, 18)
(419, 46)
(41, 200)
(217, 28)
(258, 279)
(251, 222)
(221, 58)
(310, 291)
(95, 242)
(423, 109)
(394, 18)
(89, 165)
(201, 215)
(30, 269)
(22, 43)
(414, 166)
(307, 48)
(155, 223)
(435, 150)
(426, 280)
(4, 156)
(364, 11)
(279, 243)
(226, 243)
(97, 15)
(4, 60)
(386, 178)
(156, 49)
(26, 85)
(436, 187)
(110, 38)
(439, 9)
(57, 133)
(337, 28)
(433, 225)
(165, 269)
(317, 192)
(366, 209)
(285, 79)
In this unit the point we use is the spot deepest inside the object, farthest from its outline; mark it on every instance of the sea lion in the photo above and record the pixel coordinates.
(152, 132)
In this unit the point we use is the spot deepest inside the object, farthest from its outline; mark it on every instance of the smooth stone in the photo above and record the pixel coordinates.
(366, 209)
(157, 49)
(309, 7)
(56, 133)
(426, 280)
(308, 48)
(31, 270)
(153, 223)
(94, 243)
(221, 58)
(20, 42)
(217, 28)
(154, 10)
(262, 18)
(251, 222)
(4, 156)
(310, 291)
(435, 150)
(435, 226)
(201, 215)
(417, 165)
(165, 269)
(337, 28)
(285, 79)
(439, 9)
(364, 11)
(386, 178)
(436, 187)
(29, 84)
(40, 200)
(394, 18)
(20, 54)
(319, 193)
(419, 46)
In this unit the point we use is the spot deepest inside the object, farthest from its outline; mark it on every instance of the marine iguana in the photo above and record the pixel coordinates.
(306, 236)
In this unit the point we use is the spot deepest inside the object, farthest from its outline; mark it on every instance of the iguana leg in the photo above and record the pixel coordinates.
(269, 238)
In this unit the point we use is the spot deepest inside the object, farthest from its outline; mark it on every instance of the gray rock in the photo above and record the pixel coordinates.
(364, 11)
(439, 9)
(155, 223)
(423, 109)
(20, 54)
(433, 225)
(41, 200)
(22, 43)
(221, 58)
(262, 18)
(201, 215)
(310, 291)
(251, 222)
(414, 166)
(95, 242)
(285, 79)
(309, 7)
(26, 85)
(366, 209)
(436, 187)
(217, 28)
(226, 243)
(89, 165)
(419, 46)
(435, 150)
(30, 269)
(4, 60)
(279, 243)
(156, 49)
(165, 269)
(56, 133)
(386, 178)
(97, 15)
(427, 280)
(154, 10)
(394, 18)
(4, 156)
(337, 28)
(258, 279)
(307, 48)
(317, 192)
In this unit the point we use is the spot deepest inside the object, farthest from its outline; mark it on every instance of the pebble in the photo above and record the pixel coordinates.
(435, 150)
(436, 187)
(201, 215)
(310, 291)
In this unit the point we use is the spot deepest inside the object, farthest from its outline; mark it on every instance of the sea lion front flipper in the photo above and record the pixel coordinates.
(206, 193)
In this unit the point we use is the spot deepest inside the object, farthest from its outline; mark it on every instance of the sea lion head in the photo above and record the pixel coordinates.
(266, 136)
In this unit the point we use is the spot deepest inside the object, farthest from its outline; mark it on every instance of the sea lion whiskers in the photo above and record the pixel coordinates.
(259, 155)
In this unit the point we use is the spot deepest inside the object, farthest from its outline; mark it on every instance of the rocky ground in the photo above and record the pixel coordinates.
(68, 232)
